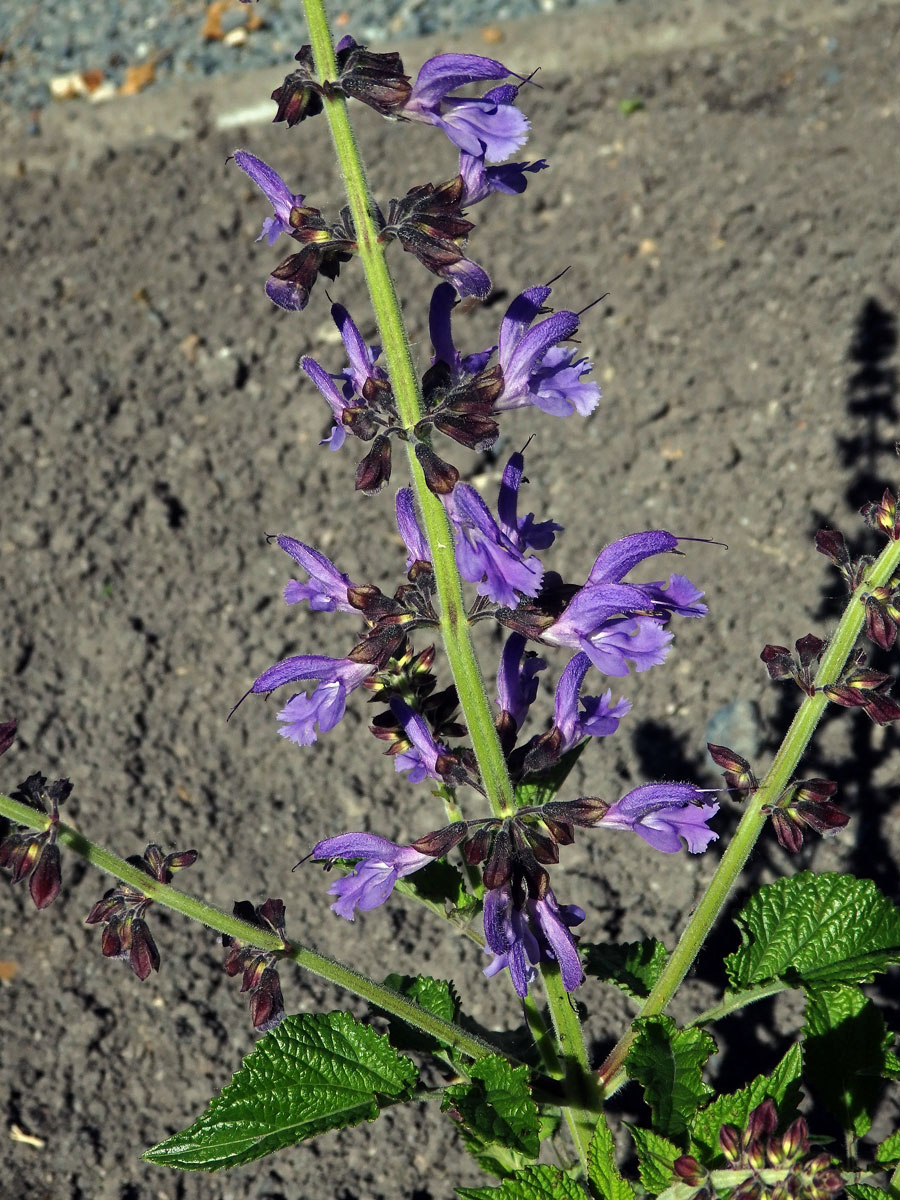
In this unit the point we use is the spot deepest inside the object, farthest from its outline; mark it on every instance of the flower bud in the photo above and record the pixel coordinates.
(441, 477)
(441, 841)
(374, 471)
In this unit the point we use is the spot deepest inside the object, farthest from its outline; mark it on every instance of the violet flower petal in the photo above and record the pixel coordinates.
(517, 684)
(326, 590)
(382, 864)
(410, 530)
(276, 192)
(421, 758)
(664, 813)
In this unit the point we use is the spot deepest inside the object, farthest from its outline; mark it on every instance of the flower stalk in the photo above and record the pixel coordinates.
(454, 624)
(335, 972)
(787, 758)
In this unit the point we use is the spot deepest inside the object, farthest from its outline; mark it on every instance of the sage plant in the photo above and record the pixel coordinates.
(492, 767)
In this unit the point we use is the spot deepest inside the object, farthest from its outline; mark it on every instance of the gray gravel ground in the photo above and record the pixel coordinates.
(39, 40)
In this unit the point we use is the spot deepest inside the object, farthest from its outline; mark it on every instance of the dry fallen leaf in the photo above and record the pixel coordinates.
(212, 30)
(8, 969)
(138, 77)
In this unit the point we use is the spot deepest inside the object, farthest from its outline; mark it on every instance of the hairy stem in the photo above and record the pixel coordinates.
(251, 935)
(454, 624)
(780, 773)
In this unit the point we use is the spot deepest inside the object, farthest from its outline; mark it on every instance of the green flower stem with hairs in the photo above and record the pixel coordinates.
(787, 758)
(335, 972)
(454, 624)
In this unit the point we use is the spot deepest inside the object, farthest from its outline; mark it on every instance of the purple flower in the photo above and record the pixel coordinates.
(539, 931)
(410, 530)
(664, 813)
(276, 191)
(443, 301)
(480, 181)
(326, 590)
(517, 684)
(325, 705)
(599, 716)
(421, 758)
(484, 554)
(535, 369)
(526, 533)
(381, 864)
(490, 126)
(352, 380)
(615, 623)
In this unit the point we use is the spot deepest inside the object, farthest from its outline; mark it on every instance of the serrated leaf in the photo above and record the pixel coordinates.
(498, 1120)
(846, 1045)
(603, 1173)
(815, 931)
(541, 789)
(667, 1062)
(632, 966)
(782, 1085)
(314, 1072)
(888, 1151)
(534, 1183)
(656, 1158)
(437, 996)
(865, 1191)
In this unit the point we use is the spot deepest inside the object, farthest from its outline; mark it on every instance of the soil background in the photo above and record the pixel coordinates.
(155, 429)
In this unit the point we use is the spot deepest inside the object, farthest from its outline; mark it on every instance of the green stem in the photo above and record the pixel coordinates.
(779, 776)
(454, 623)
(335, 972)
(584, 1107)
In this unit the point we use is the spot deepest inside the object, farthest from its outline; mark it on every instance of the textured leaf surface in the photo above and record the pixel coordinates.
(783, 1086)
(667, 1063)
(656, 1156)
(847, 1045)
(603, 1172)
(632, 966)
(496, 1108)
(534, 1183)
(437, 996)
(888, 1151)
(313, 1073)
(816, 931)
(865, 1191)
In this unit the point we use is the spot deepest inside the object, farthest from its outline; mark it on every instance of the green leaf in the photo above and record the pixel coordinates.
(630, 104)
(534, 1183)
(656, 1156)
(667, 1062)
(783, 1086)
(541, 789)
(815, 930)
(441, 883)
(846, 1048)
(888, 1151)
(603, 1172)
(498, 1120)
(314, 1072)
(865, 1191)
(437, 996)
(632, 966)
